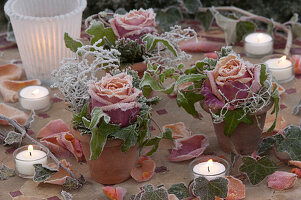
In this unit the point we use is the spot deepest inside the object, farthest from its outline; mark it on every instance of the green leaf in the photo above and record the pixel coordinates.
(296, 27)
(166, 18)
(208, 190)
(128, 135)
(290, 142)
(97, 114)
(74, 184)
(276, 108)
(266, 144)
(190, 78)
(192, 6)
(149, 82)
(98, 31)
(6, 172)
(257, 170)
(180, 190)
(228, 25)
(99, 138)
(13, 138)
(225, 51)
(156, 140)
(206, 18)
(42, 173)
(243, 28)
(270, 28)
(233, 118)
(72, 44)
(154, 194)
(187, 101)
(263, 74)
(152, 41)
(200, 66)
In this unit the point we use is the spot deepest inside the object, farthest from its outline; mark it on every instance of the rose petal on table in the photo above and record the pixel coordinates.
(113, 193)
(269, 120)
(212, 55)
(9, 88)
(295, 163)
(59, 177)
(12, 113)
(172, 197)
(281, 89)
(144, 170)
(10, 72)
(236, 189)
(53, 127)
(188, 148)
(53, 142)
(68, 141)
(281, 180)
(198, 45)
(297, 59)
(296, 171)
(178, 130)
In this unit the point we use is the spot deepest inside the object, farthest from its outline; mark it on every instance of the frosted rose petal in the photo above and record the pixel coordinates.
(12, 113)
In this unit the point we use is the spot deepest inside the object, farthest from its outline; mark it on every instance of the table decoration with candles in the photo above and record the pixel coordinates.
(258, 44)
(26, 157)
(35, 98)
(281, 67)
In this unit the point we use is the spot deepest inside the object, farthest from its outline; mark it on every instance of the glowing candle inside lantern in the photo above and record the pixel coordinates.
(209, 169)
(34, 98)
(258, 44)
(281, 68)
(26, 158)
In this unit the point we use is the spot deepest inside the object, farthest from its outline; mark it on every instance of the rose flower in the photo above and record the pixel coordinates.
(134, 24)
(232, 79)
(117, 97)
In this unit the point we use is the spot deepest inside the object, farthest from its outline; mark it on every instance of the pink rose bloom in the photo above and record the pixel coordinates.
(134, 24)
(117, 97)
(232, 78)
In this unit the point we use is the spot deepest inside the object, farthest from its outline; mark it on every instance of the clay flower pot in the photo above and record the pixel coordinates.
(113, 166)
(245, 138)
(139, 67)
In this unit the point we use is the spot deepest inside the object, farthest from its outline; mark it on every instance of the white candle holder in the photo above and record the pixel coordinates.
(258, 45)
(205, 159)
(39, 104)
(24, 165)
(281, 74)
(39, 27)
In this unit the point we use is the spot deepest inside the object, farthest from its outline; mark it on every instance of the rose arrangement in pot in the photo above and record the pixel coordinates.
(111, 117)
(235, 92)
(134, 35)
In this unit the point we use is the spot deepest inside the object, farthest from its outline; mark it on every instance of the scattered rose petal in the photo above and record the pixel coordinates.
(144, 170)
(236, 189)
(291, 91)
(15, 193)
(53, 198)
(151, 128)
(297, 64)
(283, 106)
(9, 88)
(53, 127)
(212, 55)
(63, 144)
(12, 113)
(56, 100)
(30, 132)
(198, 45)
(10, 72)
(59, 177)
(188, 148)
(162, 112)
(10, 150)
(296, 171)
(178, 130)
(295, 163)
(43, 115)
(214, 39)
(113, 193)
(161, 169)
(269, 120)
(281, 180)
(172, 197)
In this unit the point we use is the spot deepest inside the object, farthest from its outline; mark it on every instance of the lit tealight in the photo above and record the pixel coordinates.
(30, 149)
(209, 164)
(282, 59)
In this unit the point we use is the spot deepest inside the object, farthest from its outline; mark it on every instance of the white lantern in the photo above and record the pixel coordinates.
(39, 27)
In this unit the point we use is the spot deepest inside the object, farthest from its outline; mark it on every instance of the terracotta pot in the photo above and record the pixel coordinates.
(113, 166)
(245, 138)
(139, 67)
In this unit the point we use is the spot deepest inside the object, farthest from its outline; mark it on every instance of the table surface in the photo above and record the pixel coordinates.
(165, 112)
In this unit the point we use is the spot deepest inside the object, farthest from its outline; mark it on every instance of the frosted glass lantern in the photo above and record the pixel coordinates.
(39, 27)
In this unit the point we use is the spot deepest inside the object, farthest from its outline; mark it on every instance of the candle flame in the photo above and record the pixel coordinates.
(30, 149)
(259, 37)
(209, 163)
(283, 58)
(35, 92)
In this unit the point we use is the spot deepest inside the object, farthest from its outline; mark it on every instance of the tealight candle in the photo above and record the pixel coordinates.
(35, 98)
(210, 167)
(26, 157)
(281, 67)
(258, 44)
